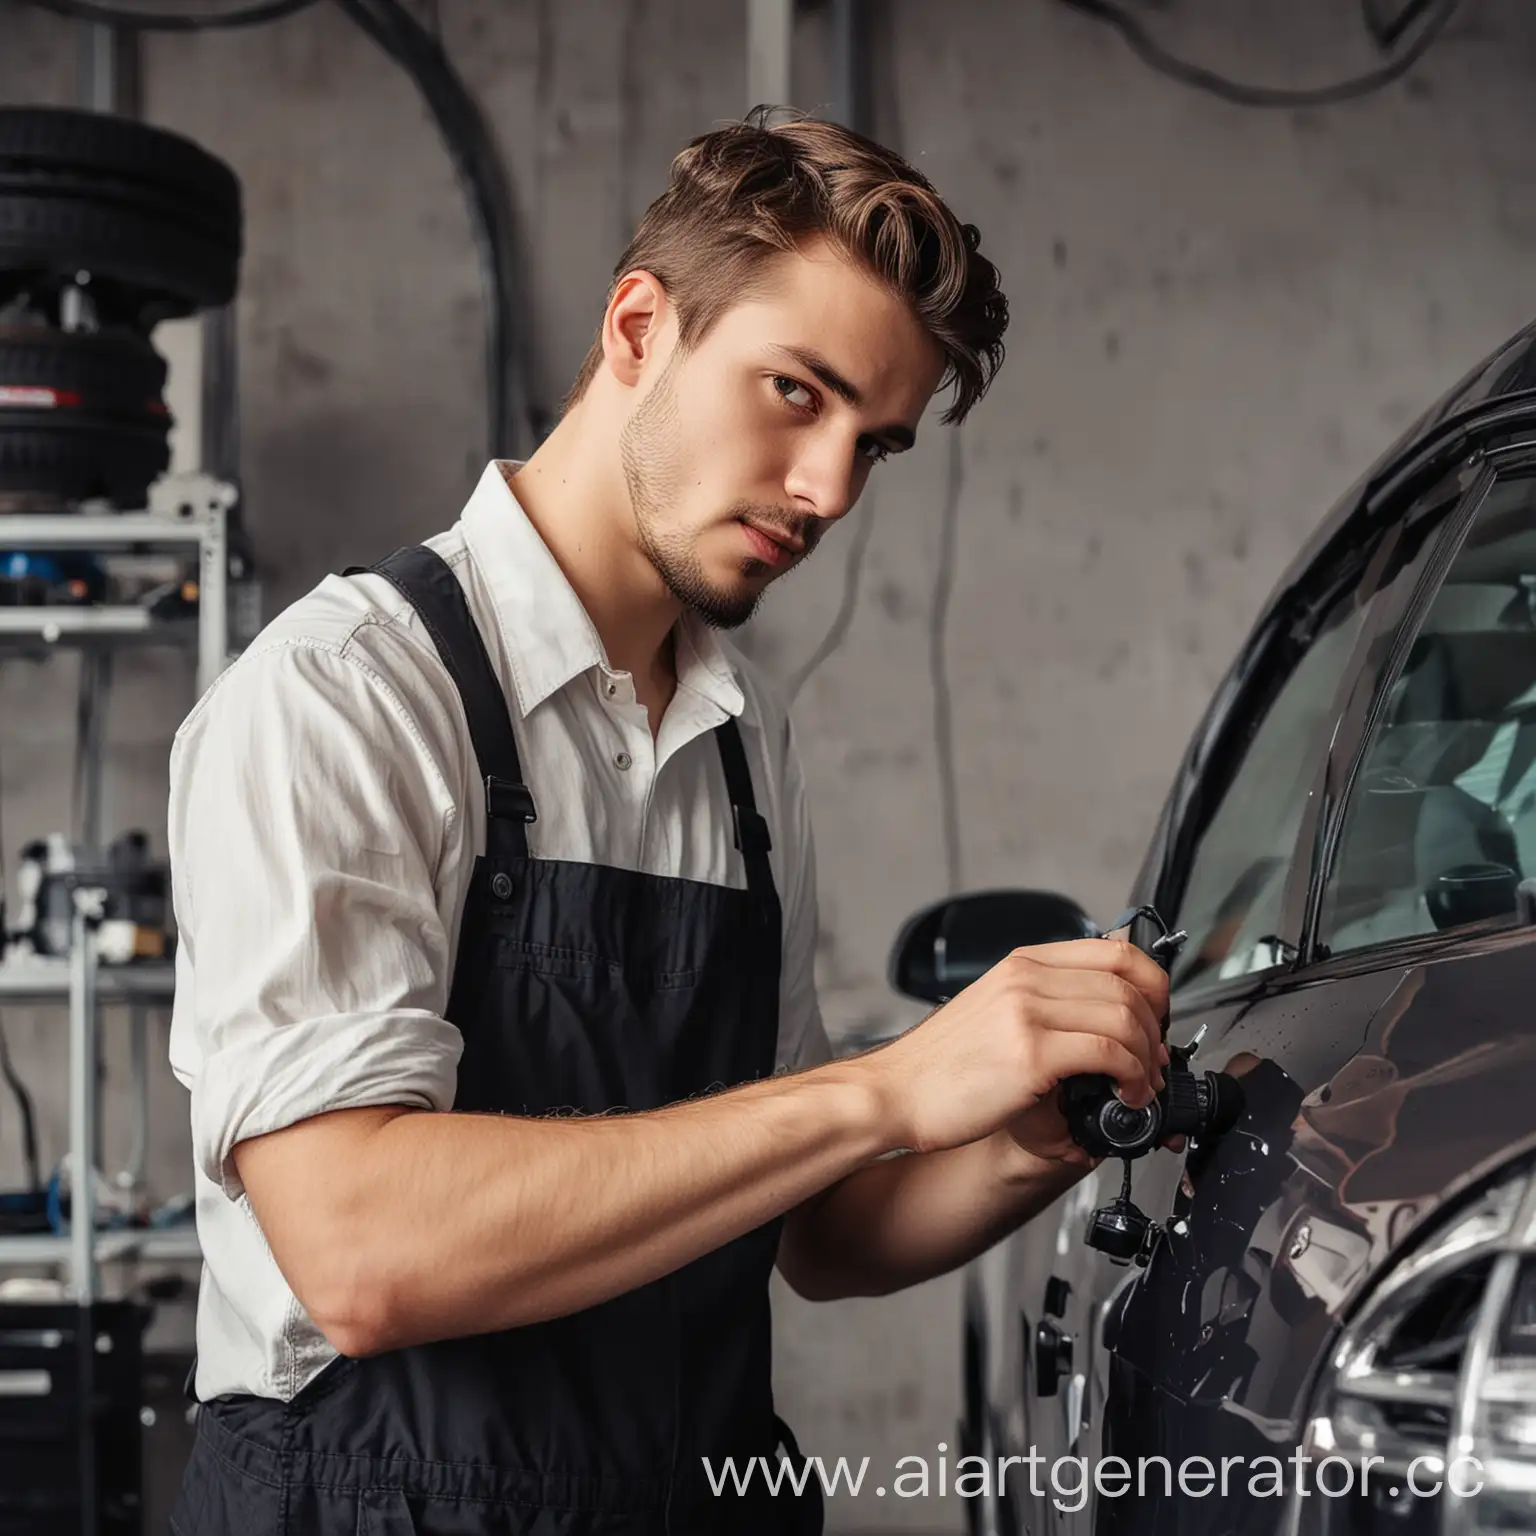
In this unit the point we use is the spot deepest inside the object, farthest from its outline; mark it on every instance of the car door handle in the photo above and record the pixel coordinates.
(1053, 1357)
(1057, 1293)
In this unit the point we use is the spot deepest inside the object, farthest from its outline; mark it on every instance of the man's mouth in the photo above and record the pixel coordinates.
(771, 547)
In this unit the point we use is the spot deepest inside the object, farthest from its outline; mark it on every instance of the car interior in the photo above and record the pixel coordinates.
(1441, 825)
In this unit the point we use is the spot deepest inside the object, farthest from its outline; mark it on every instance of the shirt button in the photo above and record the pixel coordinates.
(613, 688)
(624, 760)
(501, 885)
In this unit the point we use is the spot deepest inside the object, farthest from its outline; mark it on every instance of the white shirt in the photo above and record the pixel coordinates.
(325, 813)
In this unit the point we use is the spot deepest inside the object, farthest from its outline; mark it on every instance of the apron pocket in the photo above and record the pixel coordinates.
(552, 959)
(384, 1512)
(392, 1512)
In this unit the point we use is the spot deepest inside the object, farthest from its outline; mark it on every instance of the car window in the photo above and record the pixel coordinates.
(1236, 881)
(1440, 825)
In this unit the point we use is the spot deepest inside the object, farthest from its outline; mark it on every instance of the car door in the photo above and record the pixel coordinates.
(1044, 1375)
(1429, 779)
(1232, 831)
(1241, 843)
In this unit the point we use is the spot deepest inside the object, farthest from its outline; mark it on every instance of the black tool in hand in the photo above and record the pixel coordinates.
(1194, 1105)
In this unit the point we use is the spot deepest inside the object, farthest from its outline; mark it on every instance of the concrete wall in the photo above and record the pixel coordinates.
(1220, 315)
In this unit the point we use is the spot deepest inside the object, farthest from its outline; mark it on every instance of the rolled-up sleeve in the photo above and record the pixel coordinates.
(307, 823)
(802, 1034)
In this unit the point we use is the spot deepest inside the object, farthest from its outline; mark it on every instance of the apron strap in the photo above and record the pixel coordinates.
(751, 830)
(428, 584)
(810, 1517)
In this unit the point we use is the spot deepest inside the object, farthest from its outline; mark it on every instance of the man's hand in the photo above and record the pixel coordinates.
(399, 1228)
(973, 1089)
(993, 1056)
(1042, 1129)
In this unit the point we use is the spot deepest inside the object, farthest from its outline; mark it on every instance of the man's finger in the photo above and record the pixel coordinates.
(1115, 955)
(1090, 1016)
(1065, 1053)
(1080, 987)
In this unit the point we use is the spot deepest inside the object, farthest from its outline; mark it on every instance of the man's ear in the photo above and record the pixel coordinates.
(632, 324)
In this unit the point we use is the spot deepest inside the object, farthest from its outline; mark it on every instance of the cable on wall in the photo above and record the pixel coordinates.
(850, 602)
(515, 422)
(25, 1111)
(943, 722)
(1151, 52)
(943, 714)
(7, 1072)
(1389, 30)
(172, 21)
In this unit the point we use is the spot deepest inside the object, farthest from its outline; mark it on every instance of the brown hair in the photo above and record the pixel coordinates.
(741, 194)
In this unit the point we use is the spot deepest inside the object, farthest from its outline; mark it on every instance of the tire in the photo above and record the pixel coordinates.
(81, 415)
(59, 139)
(139, 208)
(119, 368)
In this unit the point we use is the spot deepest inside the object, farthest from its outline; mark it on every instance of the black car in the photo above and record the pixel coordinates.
(1335, 1304)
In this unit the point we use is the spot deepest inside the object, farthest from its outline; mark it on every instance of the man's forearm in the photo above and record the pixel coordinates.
(908, 1218)
(398, 1227)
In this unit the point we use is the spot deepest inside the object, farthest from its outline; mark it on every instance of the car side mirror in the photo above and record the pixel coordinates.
(943, 948)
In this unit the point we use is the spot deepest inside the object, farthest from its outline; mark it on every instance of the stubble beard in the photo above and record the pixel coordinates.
(649, 453)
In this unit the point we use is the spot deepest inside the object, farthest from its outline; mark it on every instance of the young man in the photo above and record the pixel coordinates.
(497, 903)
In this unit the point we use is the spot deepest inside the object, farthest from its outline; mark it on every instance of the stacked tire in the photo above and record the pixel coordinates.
(107, 227)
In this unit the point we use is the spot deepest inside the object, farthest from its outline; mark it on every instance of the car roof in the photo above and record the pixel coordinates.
(1498, 394)
(1500, 390)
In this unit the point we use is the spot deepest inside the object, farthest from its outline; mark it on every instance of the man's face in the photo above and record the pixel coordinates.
(775, 419)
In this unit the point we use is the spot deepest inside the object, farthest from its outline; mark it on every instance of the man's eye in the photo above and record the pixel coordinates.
(787, 387)
(876, 453)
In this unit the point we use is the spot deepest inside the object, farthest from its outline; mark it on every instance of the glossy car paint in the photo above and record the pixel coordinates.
(1380, 1086)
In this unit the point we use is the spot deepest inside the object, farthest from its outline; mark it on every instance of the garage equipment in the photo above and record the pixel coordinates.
(188, 514)
(69, 1417)
(81, 412)
(107, 228)
(153, 218)
(136, 921)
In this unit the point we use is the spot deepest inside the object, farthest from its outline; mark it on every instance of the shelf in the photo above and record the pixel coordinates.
(95, 530)
(189, 515)
(40, 978)
(150, 1245)
(78, 626)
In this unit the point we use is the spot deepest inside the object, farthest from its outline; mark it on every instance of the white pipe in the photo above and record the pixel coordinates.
(770, 30)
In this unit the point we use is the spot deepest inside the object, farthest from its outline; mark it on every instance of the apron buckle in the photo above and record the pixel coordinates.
(751, 831)
(506, 799)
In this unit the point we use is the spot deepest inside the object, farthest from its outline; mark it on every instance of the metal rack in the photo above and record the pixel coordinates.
(193, 511)
(189, 512)
(86, 986)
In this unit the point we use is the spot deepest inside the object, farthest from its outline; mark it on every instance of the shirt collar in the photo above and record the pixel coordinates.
(548, 636)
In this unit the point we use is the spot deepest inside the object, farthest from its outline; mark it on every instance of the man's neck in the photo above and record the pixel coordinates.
(578, 502)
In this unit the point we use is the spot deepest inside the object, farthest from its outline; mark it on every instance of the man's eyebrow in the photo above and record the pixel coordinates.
(813, 362)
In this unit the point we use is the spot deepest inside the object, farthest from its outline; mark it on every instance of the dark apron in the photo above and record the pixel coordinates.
(576, 987)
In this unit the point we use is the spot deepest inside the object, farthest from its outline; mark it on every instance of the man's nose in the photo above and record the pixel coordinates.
(822, 481)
